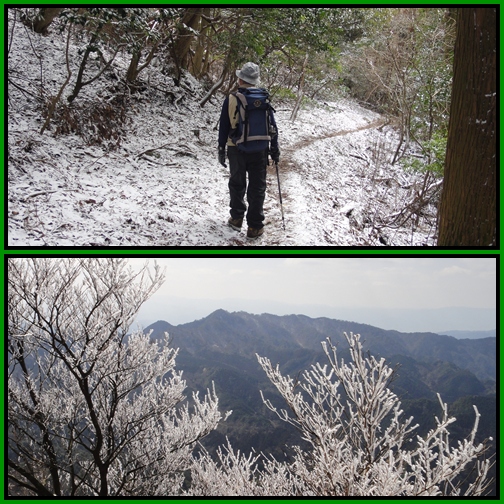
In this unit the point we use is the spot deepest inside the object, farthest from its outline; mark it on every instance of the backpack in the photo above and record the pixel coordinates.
(252, 133)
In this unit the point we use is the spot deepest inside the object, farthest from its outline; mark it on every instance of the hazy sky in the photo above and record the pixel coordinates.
(377, 291)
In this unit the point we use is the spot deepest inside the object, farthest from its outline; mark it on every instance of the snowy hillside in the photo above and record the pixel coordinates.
(163, 187)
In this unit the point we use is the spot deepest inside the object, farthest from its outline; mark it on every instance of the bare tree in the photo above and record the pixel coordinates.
(93, 411)
(358, 438)
(234, 474)
(355, 441)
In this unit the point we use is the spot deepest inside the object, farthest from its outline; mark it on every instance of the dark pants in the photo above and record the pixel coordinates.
(253, 163)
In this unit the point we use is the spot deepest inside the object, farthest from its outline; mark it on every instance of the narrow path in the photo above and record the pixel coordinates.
(289, 151)
(287, 163)
(289, 169)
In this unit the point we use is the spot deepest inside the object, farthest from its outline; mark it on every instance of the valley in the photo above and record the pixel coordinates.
(222, 348)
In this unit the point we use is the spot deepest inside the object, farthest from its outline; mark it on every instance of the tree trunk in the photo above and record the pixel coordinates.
(300, 90)
(467, 215)
(214, 89)
(189, 22)
(44, 19)
(132, 71)
(202, 47)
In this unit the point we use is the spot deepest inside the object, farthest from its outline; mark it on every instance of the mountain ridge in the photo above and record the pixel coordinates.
(220, 349)
(244, 334)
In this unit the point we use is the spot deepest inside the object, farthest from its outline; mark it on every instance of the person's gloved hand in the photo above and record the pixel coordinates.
(275, 154)
(222, 156)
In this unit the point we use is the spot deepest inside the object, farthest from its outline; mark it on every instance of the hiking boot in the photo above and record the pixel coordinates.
(236, 224)
(254, 233)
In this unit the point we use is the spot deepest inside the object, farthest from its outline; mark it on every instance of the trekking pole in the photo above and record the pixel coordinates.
(280, 195)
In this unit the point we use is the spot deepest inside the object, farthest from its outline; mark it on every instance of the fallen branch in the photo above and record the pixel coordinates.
(10, 81)
(176, 102)
(360, 157)
(40, 193)
(150, 151)
(95, 161)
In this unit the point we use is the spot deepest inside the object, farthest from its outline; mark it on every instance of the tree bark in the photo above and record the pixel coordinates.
(300, 90)
(45, 18)
(134, 69)
(467, 215)
(132, 72)
(202, 46)
(189, 22)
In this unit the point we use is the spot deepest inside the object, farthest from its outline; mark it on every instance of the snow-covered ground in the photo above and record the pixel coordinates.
(163, 186)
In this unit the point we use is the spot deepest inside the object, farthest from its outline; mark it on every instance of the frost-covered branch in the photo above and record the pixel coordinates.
(233, 473)
(353, 423)
(93, 411)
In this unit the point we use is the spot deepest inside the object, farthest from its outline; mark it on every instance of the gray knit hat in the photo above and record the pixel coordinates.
(249, 73)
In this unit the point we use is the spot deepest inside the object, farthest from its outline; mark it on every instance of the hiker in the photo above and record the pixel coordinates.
(248, 130)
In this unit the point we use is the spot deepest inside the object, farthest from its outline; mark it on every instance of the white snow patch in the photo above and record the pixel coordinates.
(163, 186)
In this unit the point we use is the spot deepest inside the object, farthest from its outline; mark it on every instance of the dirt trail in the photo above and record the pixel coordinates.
(287, 163)
(289, 151)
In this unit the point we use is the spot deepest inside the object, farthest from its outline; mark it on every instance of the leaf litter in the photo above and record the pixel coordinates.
(159, 183)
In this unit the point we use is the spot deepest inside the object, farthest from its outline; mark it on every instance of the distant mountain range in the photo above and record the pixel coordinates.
(470, 334)
(243, 334)
(439, 320)
(222, 347)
